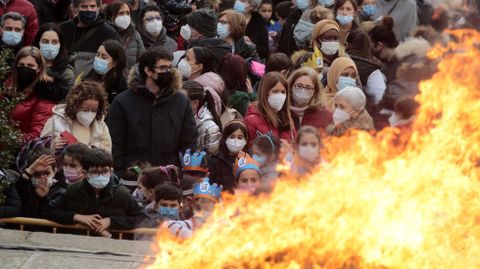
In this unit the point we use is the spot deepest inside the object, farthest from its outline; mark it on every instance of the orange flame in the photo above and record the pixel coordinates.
(375, 205)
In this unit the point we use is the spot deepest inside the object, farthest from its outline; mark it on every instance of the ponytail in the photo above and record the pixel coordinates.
(210, 101)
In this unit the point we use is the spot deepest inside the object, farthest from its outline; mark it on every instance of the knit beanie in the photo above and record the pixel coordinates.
(204, 21)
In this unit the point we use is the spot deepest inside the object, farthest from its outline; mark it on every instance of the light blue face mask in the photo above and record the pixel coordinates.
(98, 182)
(344, 20)
(369, 10)
(168, 212)
(49, 51)
(239, 6)
(222, 30)
(100, 66)
(259, 159)
(302, 4)
(345, 82)
(11, 38)
(326, 3)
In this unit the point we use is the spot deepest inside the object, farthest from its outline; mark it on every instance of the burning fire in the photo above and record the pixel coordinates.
(414, 205)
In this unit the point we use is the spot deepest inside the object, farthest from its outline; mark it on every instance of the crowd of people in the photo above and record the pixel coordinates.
(142, 113)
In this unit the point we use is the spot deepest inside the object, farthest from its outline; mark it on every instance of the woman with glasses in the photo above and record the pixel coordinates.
(152, 31)
(308, 100)
(80, 119)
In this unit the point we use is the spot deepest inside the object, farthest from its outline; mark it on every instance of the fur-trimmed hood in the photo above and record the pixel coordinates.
(417, 47)
(136, 83)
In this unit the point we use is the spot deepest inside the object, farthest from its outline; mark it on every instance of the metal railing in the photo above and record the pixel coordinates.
(22, 222)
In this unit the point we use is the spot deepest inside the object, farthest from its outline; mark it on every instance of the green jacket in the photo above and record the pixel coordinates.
(113, 201)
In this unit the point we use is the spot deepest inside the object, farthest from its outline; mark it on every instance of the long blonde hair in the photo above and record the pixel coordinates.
(41, 71)
(318, 98)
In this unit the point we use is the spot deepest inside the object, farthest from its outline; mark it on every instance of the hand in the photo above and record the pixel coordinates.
(40, 164)
(59, 143)
(42, 188)
(88, 220)
(102, 225)
(249, 86)
(272, 34)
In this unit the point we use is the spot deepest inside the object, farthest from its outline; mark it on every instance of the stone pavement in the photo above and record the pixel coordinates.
(28, 250)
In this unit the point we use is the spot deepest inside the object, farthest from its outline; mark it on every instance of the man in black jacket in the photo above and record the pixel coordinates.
(85, 33)
(151, 121)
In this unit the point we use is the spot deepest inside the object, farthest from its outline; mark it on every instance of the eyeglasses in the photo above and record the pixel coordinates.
(97, 172)
(300, 86)
(149, 19)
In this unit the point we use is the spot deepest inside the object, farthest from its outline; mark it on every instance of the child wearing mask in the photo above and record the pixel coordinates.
(266, 150)
(72, 166)
(150, 179)
(247, 174)
(234, 140)
(307, 150)
(98, 201)
(273, 27)
(168, 199)
(205, 196)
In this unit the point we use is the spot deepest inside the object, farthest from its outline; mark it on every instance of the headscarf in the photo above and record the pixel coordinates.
(321, 27)
(336, 70)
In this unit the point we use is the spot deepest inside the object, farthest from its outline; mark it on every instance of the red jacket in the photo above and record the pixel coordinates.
(255, 122)
(31, 115)
(318, 118)
(26, 9)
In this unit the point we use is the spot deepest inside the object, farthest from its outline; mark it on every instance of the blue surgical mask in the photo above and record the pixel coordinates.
(100, 66)
(369, 10)
(302, 4)
(168, 212)
(99, 182)
(259, 159)
(222, 30)
(49, 51)
(11, 38)
(344, 20)
(326, 3)
(239, 6)
(345, 82)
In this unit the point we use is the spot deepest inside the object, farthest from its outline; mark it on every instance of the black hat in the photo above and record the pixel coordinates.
(204, 21)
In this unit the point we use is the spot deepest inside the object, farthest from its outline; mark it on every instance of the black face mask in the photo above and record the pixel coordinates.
(87, 17)
(25, 77)
(164, 80)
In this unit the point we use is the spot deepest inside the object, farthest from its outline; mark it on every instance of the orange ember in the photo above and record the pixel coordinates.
(375, 205)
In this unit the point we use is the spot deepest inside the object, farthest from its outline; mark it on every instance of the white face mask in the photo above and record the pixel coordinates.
(154, 27)
(186, 32)
(308, 153)
(235, 145)
(185, 68)
(330, 47)
(99, 182)
(301, 96)
(276, 101)
(340, 116)
(86, 118)
(123, 22)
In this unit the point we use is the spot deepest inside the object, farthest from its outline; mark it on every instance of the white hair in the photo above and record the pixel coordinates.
(353, 96)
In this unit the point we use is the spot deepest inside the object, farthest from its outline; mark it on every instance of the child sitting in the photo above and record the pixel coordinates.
(307, 150)
(205, 196)
(151, 178)
(98, 201)
(247, 175)
(168, 198)
(266, 150)
(72, 167)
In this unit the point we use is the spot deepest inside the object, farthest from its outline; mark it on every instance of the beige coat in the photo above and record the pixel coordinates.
(59, 122)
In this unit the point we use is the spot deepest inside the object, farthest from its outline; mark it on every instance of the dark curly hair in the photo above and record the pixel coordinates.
(86, 90)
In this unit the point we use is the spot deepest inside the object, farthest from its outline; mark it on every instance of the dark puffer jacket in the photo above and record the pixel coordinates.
(113, 201)
(12, 205)
(148, 128)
